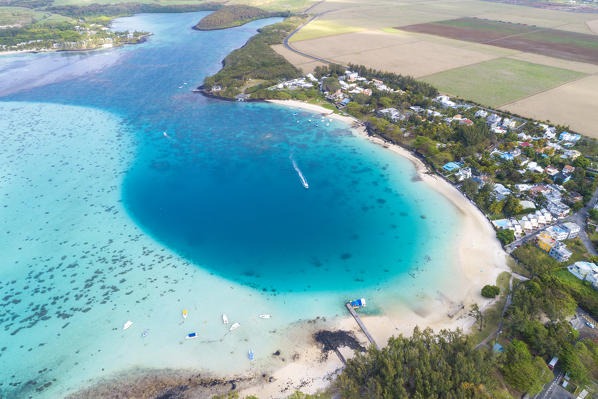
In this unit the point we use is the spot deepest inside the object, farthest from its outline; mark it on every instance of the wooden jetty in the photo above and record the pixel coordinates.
(361, 325)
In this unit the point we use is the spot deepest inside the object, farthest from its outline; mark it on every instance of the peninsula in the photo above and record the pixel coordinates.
(235, 15)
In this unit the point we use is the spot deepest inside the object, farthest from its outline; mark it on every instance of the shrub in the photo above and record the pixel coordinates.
(505, 236)
(490, 291)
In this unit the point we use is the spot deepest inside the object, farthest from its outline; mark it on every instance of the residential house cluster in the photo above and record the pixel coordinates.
(526, 224)
(554, 248)
(496, 123)
(550, 240)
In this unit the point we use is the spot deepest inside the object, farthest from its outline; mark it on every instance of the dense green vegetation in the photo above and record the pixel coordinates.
(256, 61)
(425, 365)
(490, 291)
(230, 16)
(524, 372)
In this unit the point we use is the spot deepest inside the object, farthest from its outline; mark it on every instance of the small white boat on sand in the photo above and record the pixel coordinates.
(264, 316)
(128, 324)
(224, 318)
(234, 326)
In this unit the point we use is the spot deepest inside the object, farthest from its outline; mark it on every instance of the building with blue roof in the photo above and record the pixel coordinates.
(507, 156)
(449, 167)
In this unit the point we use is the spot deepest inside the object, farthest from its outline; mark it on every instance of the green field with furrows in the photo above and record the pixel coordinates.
(487, 25)
(500, 81)
(568, 38)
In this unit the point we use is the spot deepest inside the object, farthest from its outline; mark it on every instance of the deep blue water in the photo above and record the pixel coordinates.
(215, 182)
(125, 196)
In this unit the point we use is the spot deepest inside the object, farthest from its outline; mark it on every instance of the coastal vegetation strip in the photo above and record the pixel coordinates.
(64, 36)
(46, 27)
(235, 15)
(256, 62)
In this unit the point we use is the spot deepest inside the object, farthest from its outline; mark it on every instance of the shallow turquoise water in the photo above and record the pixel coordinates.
(127, 196)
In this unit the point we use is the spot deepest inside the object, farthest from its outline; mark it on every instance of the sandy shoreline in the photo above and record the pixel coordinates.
(480, 260)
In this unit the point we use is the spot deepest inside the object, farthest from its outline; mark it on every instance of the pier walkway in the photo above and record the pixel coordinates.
(361, 325)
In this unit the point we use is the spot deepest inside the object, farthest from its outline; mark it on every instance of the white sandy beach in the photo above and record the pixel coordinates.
(480, 260)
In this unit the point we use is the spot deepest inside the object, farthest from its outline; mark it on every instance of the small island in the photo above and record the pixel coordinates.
(237, 15)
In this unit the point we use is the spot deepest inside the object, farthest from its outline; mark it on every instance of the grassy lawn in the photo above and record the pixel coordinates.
(502, 281)
(493, 312)
(318, 29)
(491, 320)
(579, 250)
(500, 81)
(584, 288)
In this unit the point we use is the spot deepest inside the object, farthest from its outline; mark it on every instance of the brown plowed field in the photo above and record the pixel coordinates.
(550, 42)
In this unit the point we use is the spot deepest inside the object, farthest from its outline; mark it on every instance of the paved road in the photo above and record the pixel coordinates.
(288, 46)
(553, 390)
(580, 218)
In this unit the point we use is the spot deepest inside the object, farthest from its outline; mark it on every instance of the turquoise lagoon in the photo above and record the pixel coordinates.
(125, 196)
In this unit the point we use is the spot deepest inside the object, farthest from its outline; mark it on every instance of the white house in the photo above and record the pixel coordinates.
(501, 192)
(445, 101)
(560, 252)
(585, 271)
(463, 173)
(572, 229)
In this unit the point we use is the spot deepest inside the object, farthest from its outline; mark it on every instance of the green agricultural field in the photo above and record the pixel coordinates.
(24, 16)
(323, 28)
(500, 81)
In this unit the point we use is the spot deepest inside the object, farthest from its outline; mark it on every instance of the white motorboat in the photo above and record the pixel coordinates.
(224, 318)
(234, 326)
(264, 316)
(128, 324)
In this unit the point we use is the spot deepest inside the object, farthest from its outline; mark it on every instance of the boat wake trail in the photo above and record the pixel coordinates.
(303, 180)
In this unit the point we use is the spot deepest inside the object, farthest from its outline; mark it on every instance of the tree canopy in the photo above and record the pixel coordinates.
(425, 365)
